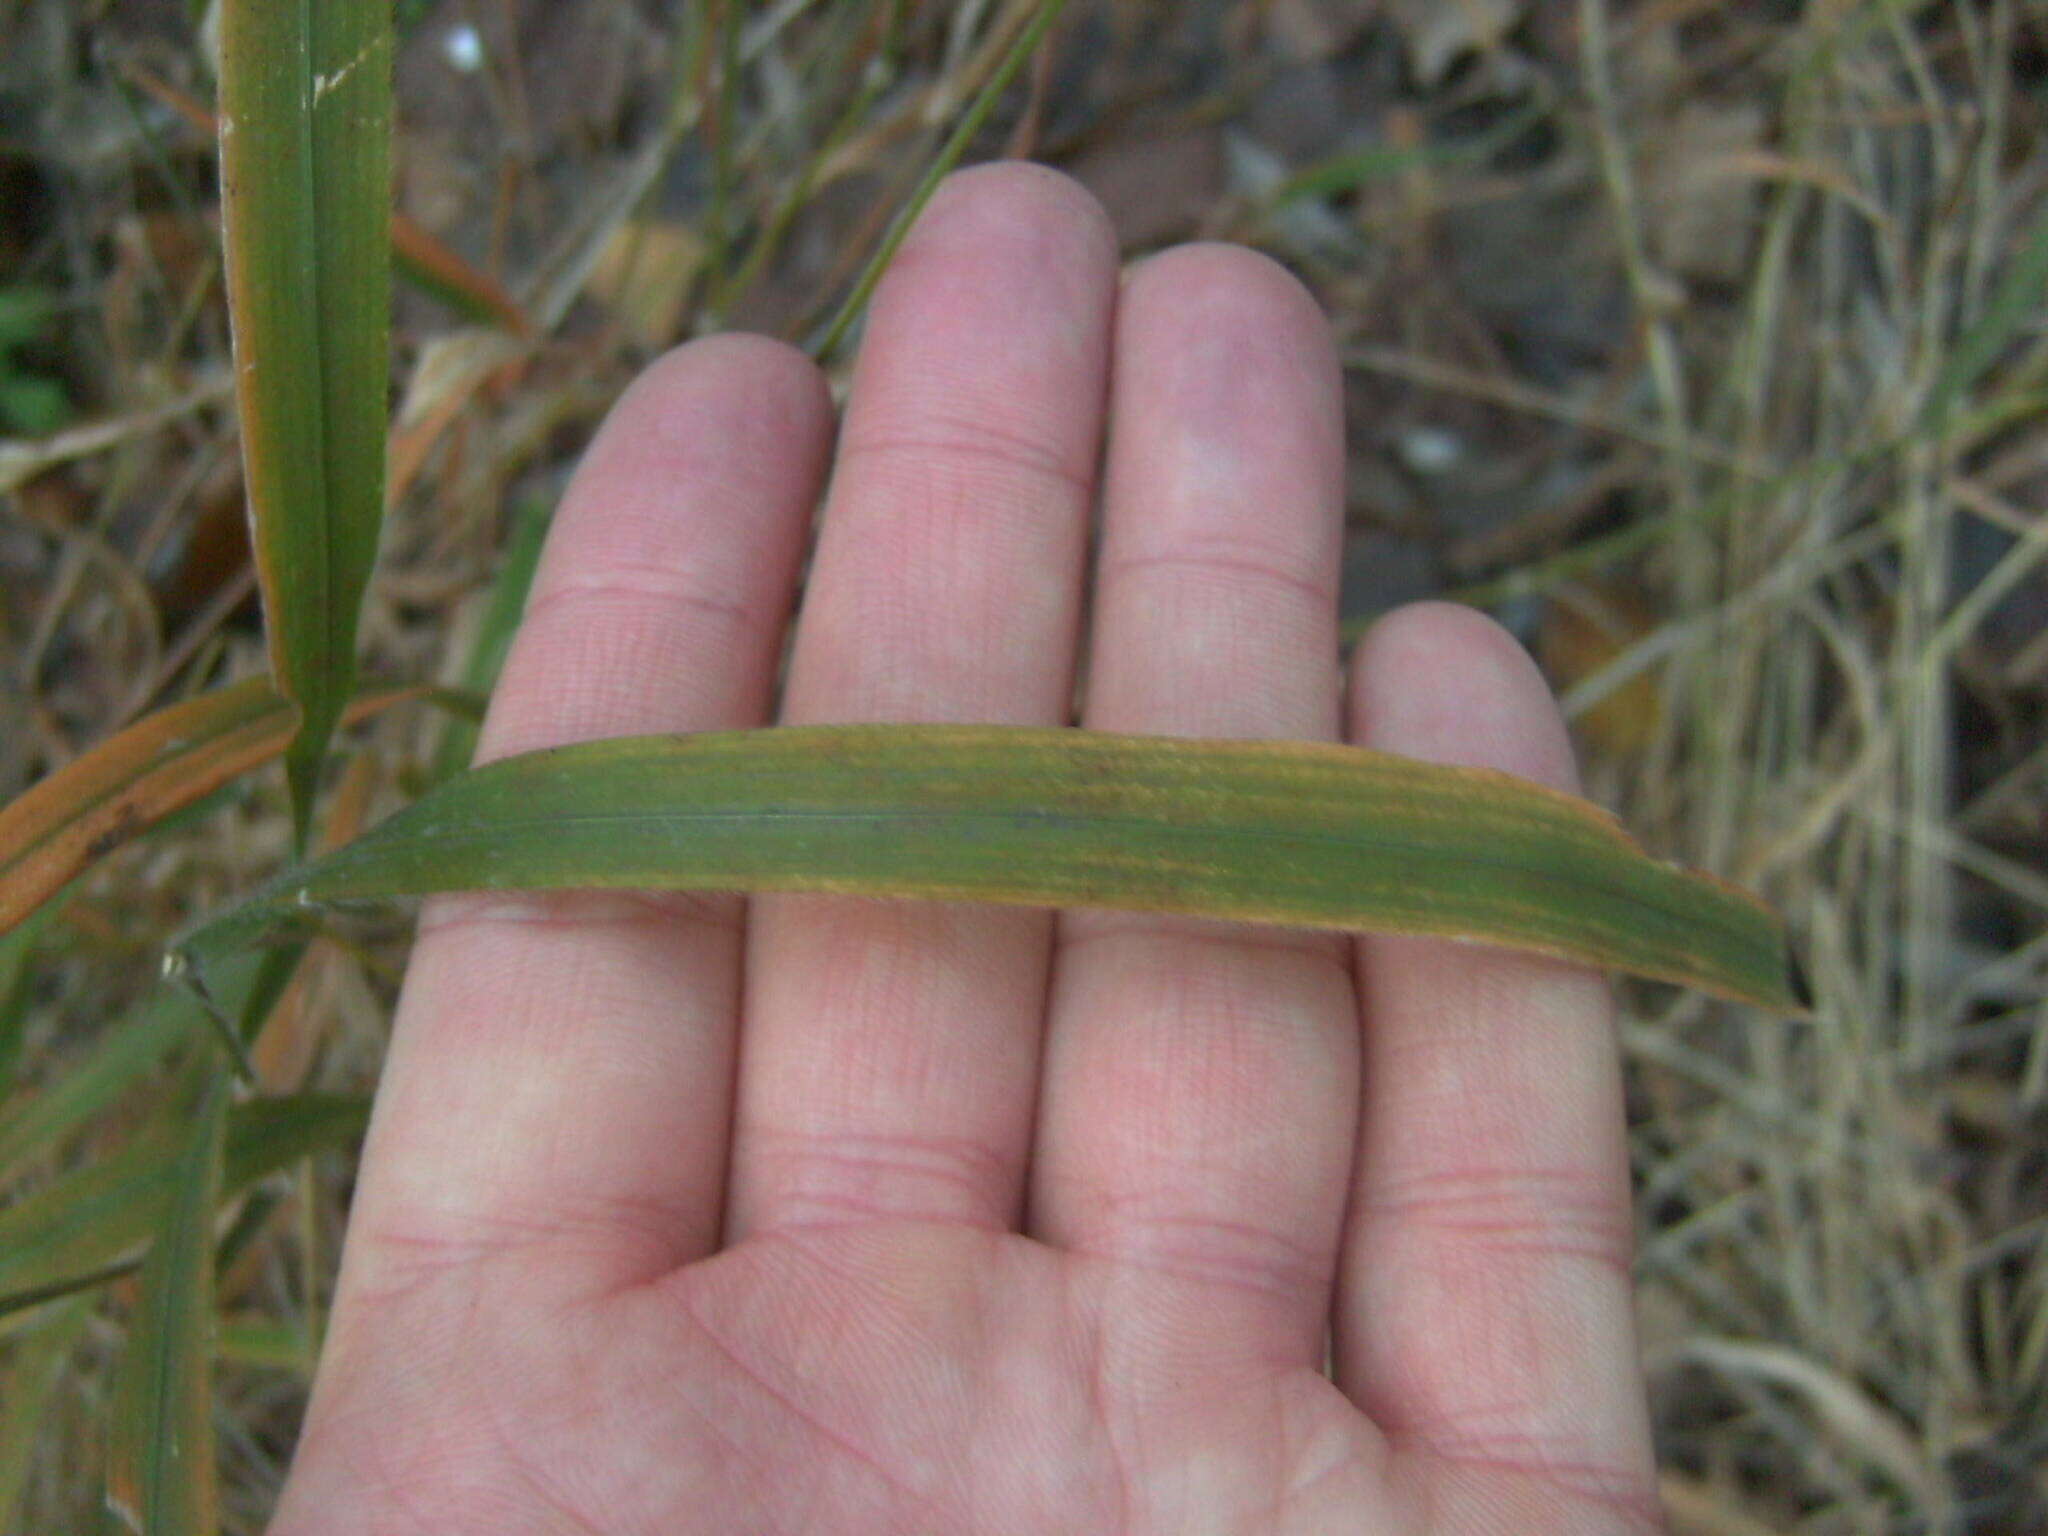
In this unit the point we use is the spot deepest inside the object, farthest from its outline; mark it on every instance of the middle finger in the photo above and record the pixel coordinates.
(1198, 1100)
(889, 1050)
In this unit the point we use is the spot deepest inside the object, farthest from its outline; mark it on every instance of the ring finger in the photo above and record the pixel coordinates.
(1199, 1078)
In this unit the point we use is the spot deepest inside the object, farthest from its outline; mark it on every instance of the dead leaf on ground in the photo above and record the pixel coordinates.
(1318, 29)
(1702, 218)
(1586, 627)
(1155, 189)
(643, 276)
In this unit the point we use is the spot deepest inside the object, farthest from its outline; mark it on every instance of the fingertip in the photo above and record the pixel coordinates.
(1205, 273)
(767, 380)
(662, 590)
(1007, 262)
(1245, 362)
(741, 417)
(1022, 194)
(1445, 683)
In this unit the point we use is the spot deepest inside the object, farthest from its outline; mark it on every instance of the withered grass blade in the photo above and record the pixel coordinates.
(133, 779)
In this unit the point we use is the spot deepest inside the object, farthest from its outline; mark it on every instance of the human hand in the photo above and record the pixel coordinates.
(827, 1215)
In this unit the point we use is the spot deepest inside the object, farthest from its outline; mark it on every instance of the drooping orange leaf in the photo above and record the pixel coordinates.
(129, 782)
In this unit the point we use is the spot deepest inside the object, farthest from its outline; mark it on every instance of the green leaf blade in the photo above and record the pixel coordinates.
(351, 133)
(271, 1133)
(127, 1054)
(32, 1387)
(17, 952)
(161, 1476)
(89, 1226)
(503, 609)
(1276, 832)
(305, 92)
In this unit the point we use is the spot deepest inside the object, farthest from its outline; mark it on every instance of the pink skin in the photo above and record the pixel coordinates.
(823, 1215)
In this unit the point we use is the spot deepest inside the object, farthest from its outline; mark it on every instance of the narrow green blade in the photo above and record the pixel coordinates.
(160, 1465)
(2013, 303)
(268, 1134)
(89, 1222)
(89, 1226)
(500, 621)
(305, 126)
(126, 1053)
(1277, 832)
(17, 950)
(41, 1125)
(30, 1388)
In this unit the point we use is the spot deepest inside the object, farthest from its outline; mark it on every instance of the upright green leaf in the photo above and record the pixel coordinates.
(17, 949)
(160, 1465)
(28, 1388)
(89, 1226)
(305, 130)
(2013, 303)
(501, 615)
(1279, 832)
(416, 255)
(126, 1053)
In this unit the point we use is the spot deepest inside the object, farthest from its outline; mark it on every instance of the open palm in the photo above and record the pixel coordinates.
(824, 1215)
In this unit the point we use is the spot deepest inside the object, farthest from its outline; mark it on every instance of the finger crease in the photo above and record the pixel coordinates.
(722, 613)
(1018, 454)
(1236, 569)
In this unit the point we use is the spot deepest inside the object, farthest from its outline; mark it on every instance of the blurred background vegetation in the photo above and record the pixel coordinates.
(1701, 343)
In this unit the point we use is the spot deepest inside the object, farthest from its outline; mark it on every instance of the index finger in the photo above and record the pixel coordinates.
(559, 1074)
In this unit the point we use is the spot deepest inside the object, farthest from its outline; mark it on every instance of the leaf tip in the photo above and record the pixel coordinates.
(1796, 981)
(180, 967)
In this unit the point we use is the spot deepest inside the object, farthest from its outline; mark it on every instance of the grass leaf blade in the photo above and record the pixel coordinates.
(160, 1476)
(1280, 832)
(2015, 300)
(129, 1052)
(89, 1226)
(272, 1133)
(305, 90)
(17, 951)
(161, 764)
(493, 640)
(31, 1385)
